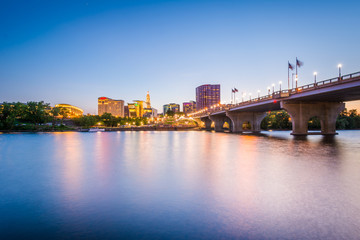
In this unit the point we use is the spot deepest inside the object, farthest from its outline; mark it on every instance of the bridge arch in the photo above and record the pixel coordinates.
(252, 118)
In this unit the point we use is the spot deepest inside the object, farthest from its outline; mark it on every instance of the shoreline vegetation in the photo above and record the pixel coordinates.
(40, 117)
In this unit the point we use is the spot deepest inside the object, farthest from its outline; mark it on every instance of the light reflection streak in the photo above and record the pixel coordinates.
(69, 151)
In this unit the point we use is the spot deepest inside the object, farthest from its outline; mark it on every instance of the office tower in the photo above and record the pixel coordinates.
(207, 95)
(108, 105)
(189, 107)
(172, 107)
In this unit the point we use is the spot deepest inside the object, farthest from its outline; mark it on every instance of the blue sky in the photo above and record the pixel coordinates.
(76, 51)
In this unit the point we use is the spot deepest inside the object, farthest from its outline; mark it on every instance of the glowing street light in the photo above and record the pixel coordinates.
(339, 66)
(280, 85)
(315, 73)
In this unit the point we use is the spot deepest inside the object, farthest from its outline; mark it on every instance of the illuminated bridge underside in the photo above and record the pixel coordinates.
(323, 99)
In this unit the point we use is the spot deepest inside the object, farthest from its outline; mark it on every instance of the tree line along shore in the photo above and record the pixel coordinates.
(39, 116)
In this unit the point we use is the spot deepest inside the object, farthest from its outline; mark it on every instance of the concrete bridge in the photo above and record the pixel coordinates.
(324, 100)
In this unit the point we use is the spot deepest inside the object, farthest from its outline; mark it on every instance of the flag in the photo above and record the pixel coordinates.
(236, 90)
(299, 63)
(290, 66)
(233, 90)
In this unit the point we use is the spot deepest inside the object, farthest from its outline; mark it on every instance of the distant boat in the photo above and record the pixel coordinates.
(96, 129)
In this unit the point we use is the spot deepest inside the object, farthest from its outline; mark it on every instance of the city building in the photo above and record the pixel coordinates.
(148, 112)
(207, 95)
(73, 111)
(148, 104)
(108, 105)
(136, 109)
(189, 107)
(172, 107)
(126, 111)
(152, 112)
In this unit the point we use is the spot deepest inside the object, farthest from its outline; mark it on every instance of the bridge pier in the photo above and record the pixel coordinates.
(219, 122)
(207, 122)
(301, 112)
(238, 118)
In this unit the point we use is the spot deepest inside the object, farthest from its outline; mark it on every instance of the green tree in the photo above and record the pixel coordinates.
(7, 116)
(86, 121)
(314, 123)
(36, 113)
(170, 113)
(55, 112)
(109, 120)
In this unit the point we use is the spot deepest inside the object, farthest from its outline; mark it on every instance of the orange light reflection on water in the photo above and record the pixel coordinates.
(69, 151)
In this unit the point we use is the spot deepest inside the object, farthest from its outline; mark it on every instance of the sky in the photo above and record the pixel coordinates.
(76, 51)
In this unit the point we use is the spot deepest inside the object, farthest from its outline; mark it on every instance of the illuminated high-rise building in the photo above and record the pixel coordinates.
(149, 111)
(207, 95)
(136, 109)
(189, 107)
(148, 104)
(108, 105)
(171, 107)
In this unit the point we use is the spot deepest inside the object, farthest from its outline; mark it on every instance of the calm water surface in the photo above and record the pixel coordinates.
(179, 185)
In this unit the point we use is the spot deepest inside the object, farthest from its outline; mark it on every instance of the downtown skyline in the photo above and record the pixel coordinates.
(75, 52)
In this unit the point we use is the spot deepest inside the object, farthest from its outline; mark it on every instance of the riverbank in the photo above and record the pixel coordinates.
(147, 128)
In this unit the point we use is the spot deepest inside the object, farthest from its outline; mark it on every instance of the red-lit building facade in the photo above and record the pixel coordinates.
(108, 105)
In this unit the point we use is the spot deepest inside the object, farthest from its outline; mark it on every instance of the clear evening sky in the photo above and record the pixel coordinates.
(76, 51)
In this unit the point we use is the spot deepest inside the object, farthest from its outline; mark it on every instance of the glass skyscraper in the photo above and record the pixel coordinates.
(207, 95)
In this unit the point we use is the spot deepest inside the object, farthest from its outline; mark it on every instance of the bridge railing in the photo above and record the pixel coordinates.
(281, 94)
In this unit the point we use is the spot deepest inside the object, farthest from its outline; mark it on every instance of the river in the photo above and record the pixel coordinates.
(179, 185)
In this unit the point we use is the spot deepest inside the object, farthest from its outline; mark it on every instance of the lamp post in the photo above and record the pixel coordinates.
(280, 85)
(273, 85)
(339, 66)
(296, 82)
(315, 73)
(250, 96)
(258, 93)
(268, 88)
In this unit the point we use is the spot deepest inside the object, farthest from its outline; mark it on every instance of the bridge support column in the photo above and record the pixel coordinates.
(238, 118)
(301, 112)
(207, 122)
(219, 122)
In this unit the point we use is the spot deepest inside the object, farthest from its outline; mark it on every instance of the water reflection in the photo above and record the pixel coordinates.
(69, 152)
(181, 185)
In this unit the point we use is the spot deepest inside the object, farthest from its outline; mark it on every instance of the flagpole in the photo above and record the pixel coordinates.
(234, 95)
(296, 76)
(296, 67)
(288, 76)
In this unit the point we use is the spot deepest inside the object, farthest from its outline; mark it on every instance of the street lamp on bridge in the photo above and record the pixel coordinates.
(339, 66)
(250, 96)
(280, 85)
(268, 88)
(258, 93)
(315, 73)
(273, 85)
